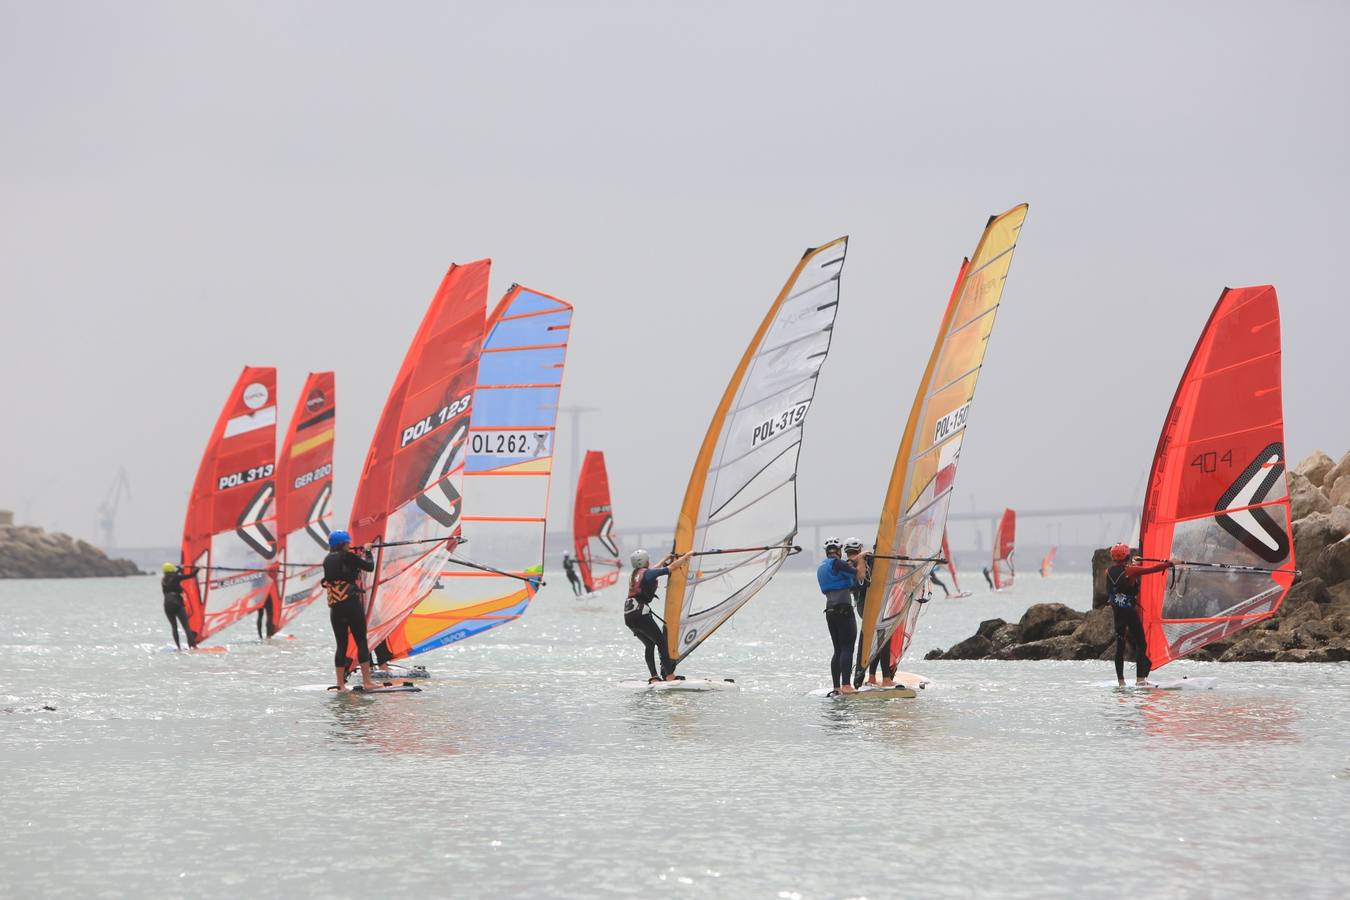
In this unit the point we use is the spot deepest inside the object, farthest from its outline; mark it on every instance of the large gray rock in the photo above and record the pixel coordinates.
(1050, 648)
(1341, 468)
(1306, 498)
(1316, 531)
(1338, 493)
(1097, 630)
(974, 647)
(1260, 646)
(1040, 619)
(1332, 565)
(30, 552)
(1315, 467)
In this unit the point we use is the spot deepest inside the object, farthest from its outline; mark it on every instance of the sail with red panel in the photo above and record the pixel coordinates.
(1005, 537)
(951, 567)
(230, 532)
(596, 545)
(1217, 498)
(409, 500)
(1048, 563)
(507, 474)
(304, 501)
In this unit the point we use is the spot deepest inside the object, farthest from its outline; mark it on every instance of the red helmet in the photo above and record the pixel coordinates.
(1120, 552)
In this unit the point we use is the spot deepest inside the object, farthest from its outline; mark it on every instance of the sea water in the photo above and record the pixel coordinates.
(524, 769)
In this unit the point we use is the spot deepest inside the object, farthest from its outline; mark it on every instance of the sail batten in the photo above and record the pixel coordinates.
(736, 495)
(918, 496)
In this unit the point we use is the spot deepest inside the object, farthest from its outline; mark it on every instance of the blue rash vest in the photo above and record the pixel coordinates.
(835, 575)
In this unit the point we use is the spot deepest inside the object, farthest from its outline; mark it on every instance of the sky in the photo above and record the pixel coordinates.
(189, 188)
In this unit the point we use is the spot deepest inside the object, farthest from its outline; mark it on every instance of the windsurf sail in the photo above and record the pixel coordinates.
(409, 499)
(1005, 539)
(1048, 563)
(1217, 497)
(506, 477)
(230, 531)
(596, 545)
(951, 563)
(742, 495)
(914, 514)
(304, 501)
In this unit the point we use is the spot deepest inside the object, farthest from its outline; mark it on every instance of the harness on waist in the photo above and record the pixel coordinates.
(340, 591)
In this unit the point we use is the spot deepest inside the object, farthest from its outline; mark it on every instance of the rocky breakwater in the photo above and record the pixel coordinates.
(30, 552)
(1312, 625)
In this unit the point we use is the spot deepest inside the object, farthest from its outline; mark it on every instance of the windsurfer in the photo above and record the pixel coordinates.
(174, 610)
(837, 577)
(570, 569)
(933, 577)
(853, 550)
(342, 569)
(988, 580)
(637, 611)
(1122, 590)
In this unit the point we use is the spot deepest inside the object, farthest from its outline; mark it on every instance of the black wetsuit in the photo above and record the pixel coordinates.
(637, 615)
(990, 581)
(570, 569)
(174, 610)
(882, 660)
(341, 576)
(933, 577)
(1122, 589)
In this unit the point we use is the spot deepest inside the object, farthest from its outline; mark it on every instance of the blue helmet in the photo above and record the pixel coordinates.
(337, 538)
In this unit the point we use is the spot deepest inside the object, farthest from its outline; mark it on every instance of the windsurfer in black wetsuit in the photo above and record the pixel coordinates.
(990, 581)
(933, 577)
(342, 570)
(853, 552)
(570, 569)
(174, 610)
(1122, 590)
(637, 610)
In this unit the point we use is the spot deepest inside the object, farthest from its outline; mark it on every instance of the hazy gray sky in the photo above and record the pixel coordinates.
(186, 188)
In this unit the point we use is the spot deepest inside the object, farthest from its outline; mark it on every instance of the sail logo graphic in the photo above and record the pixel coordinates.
(606, 536)
(315, 401)
(1241, 515)
(255, 396)
(316, 523)
(251, 529)
(440, 499)
(951, 423)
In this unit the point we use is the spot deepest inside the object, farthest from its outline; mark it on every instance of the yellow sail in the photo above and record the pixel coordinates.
(740, 509)
(914, 514)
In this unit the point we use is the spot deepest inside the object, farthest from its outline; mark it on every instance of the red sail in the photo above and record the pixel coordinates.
(951, 563)
(1048, 564)
(597, 547)
(304, 500)
(410, 491)
(230, 531)
(1217, 494)
(1004, 539)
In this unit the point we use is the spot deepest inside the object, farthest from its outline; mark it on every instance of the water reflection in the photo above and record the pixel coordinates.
(1206, 718)
(389, 724)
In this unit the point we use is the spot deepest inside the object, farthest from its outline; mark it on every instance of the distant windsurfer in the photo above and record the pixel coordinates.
(1122, 591)
(933, 577)
(853, 550)
(342, 569)
(174, 608)
(637, 610)
(837, 578)
(570, 569)
(988, 580)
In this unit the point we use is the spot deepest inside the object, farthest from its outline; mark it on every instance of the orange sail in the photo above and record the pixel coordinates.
(914, 514)
(409, 499)
(230, 531)
(1217, 497)
(596, 546)
(1005, 541)
(1048, 563)
(304, 501)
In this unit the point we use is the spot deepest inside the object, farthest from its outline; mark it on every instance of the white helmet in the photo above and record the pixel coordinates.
(853, 545)
(833, 543)
(640, 559)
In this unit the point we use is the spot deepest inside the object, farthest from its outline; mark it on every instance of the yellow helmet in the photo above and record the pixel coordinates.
(170, 567)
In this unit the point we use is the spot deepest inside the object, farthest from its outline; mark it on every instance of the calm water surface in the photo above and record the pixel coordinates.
(524, 768)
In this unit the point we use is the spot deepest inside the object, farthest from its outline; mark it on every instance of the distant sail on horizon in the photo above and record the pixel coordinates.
(594, 542)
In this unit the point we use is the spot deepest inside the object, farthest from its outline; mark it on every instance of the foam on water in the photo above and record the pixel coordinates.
(522, 769)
